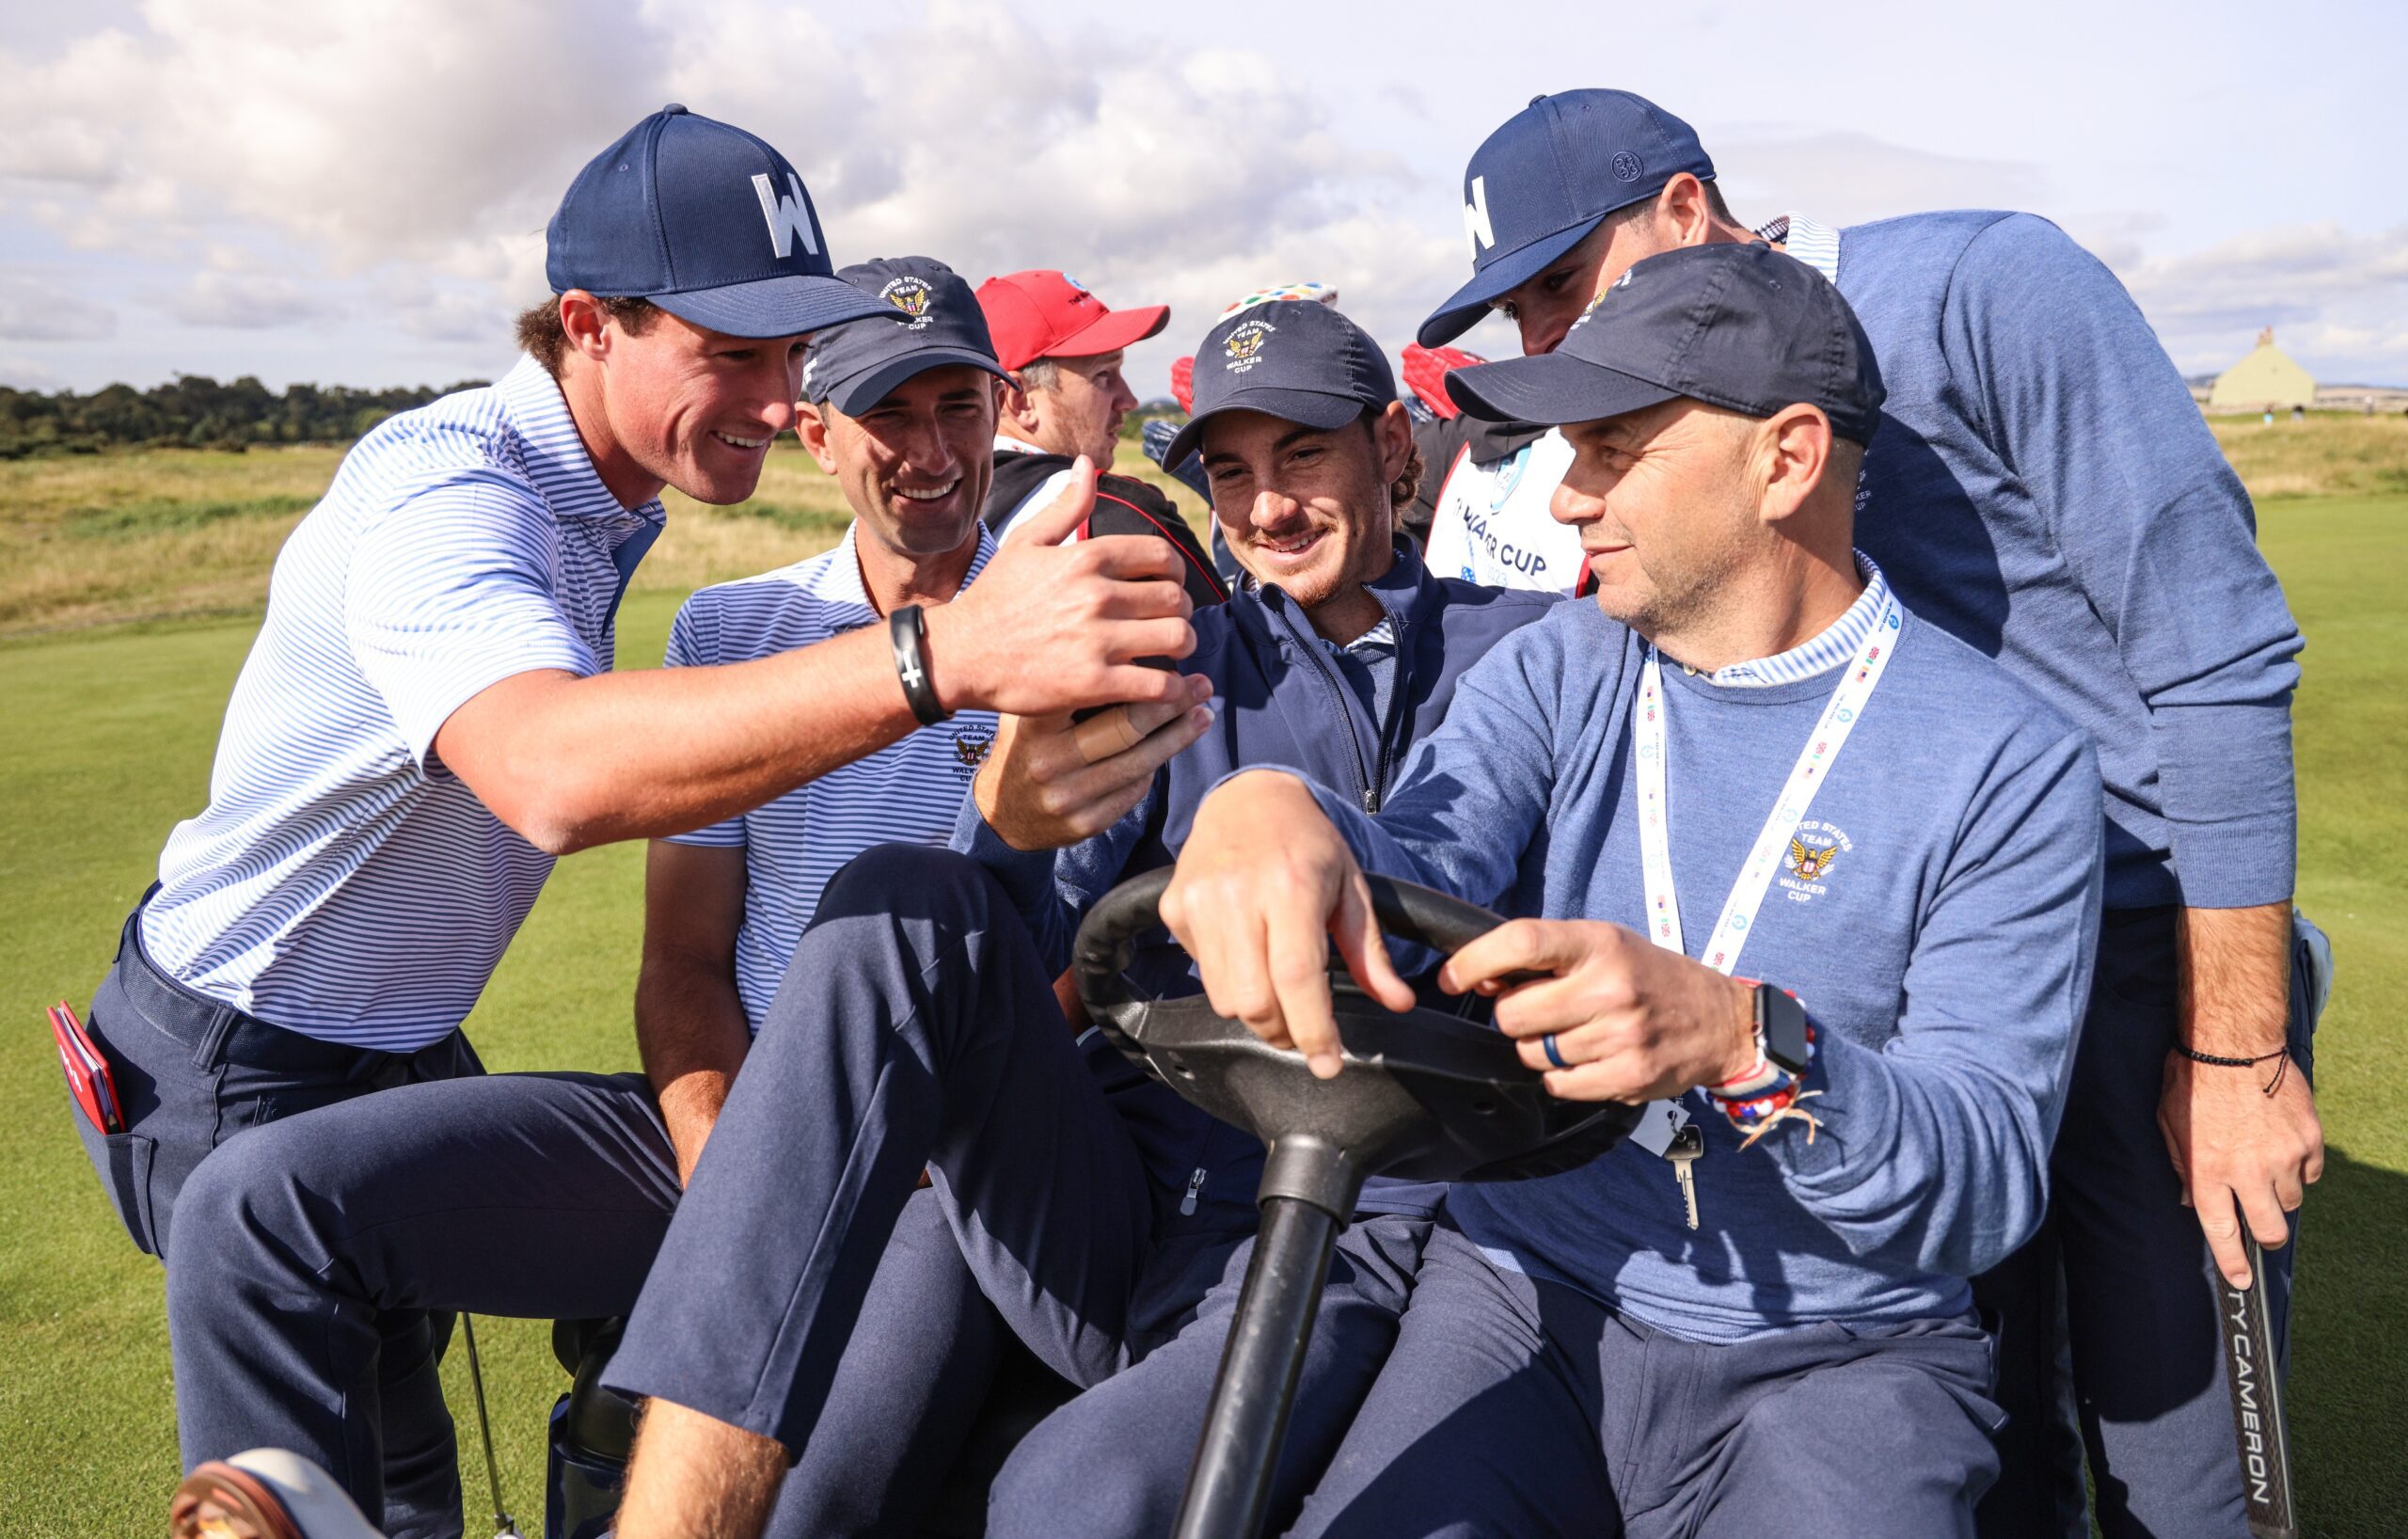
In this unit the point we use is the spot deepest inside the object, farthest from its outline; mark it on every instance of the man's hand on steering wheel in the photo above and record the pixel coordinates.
(1263, 884)
(1632, 1021)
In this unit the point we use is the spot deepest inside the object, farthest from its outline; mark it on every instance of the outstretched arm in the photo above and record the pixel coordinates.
(571, 761)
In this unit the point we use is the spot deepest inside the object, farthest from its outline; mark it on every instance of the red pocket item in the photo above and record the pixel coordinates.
(88, 1073)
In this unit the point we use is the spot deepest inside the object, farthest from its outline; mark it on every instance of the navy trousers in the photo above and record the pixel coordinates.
(917, 1027)
(540, 1196)
(2119, 1288)
(191, 1074)
(1114, 1460)
(909, 1388)
(300, 1242)
(1522, 1409)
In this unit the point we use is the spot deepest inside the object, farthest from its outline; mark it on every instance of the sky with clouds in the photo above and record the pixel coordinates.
(356, 193)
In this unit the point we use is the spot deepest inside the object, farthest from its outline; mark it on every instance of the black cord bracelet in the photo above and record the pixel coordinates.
(908, 632)
(2217, 1060)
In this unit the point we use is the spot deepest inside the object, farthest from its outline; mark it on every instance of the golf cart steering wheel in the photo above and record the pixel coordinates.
(1423, 1095)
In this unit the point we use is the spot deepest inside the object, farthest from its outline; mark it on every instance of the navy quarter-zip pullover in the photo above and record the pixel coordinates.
(1282, 699)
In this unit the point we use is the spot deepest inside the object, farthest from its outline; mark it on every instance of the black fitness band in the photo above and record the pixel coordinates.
(909, 633)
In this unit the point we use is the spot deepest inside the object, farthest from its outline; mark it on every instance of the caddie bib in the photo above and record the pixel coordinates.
(1492, 526)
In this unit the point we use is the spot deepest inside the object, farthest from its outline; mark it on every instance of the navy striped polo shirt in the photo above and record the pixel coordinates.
(908, 792)
(342, 884)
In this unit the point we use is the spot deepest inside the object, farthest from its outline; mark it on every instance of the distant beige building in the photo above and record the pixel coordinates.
(2266, 380)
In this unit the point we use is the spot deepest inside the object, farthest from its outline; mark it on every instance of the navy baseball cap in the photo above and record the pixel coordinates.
(855, 366)
(1540, 183)
(1738, 325)
(1297, 359)
(705, 221)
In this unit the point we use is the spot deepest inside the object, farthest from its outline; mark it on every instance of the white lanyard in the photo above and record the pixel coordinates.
(1814, 766)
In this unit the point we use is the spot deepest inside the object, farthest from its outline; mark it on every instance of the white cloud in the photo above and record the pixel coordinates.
(31, 312)
(389, 166)
(26, 374)
(251, 301)
(1155, 172)
(1849, 177)
(2339, 300)
(449, 312)
(397, 143)
(375, 130)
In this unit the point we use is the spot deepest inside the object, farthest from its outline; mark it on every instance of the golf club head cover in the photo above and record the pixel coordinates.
(1425, 373)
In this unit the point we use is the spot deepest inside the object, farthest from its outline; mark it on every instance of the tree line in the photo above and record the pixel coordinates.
(197, 411)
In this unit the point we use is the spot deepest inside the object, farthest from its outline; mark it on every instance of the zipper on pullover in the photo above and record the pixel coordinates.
(1195, 1190)
(1369, 790)
(1387, 726)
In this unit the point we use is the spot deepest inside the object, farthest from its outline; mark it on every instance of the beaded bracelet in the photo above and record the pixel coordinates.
(2216, 1061)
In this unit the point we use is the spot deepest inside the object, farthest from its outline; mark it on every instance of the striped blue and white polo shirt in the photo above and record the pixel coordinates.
(1820, 653)
(908, 792)
(342, 884)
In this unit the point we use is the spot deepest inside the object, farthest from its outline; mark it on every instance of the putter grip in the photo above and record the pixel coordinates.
(2253, 1373)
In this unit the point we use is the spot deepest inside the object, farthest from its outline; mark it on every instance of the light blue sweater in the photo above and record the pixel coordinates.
(2043, 488)
(1945, 953)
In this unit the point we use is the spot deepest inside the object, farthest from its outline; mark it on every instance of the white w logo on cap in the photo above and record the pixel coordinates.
(1477, 227)
(788, 217)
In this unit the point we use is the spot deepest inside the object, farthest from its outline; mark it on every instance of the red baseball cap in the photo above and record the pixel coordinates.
(1045, 314)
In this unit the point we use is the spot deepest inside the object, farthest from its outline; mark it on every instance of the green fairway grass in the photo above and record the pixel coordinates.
(109, 735)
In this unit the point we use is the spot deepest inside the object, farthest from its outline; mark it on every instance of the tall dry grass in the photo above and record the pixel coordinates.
(147, 535)
(167, 533)
(2324, 456)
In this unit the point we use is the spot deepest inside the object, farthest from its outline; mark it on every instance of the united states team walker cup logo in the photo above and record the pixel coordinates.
(969, 746)
(1815, 847)
(1589, 309)
(1243, 345)
(912, 296)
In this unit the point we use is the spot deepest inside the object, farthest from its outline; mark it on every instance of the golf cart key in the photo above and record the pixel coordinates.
(1684, 1151)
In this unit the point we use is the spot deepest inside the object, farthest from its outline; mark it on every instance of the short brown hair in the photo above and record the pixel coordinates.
(1400, 490)
(1645, 207)
(542, 338)
(1714, 203)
